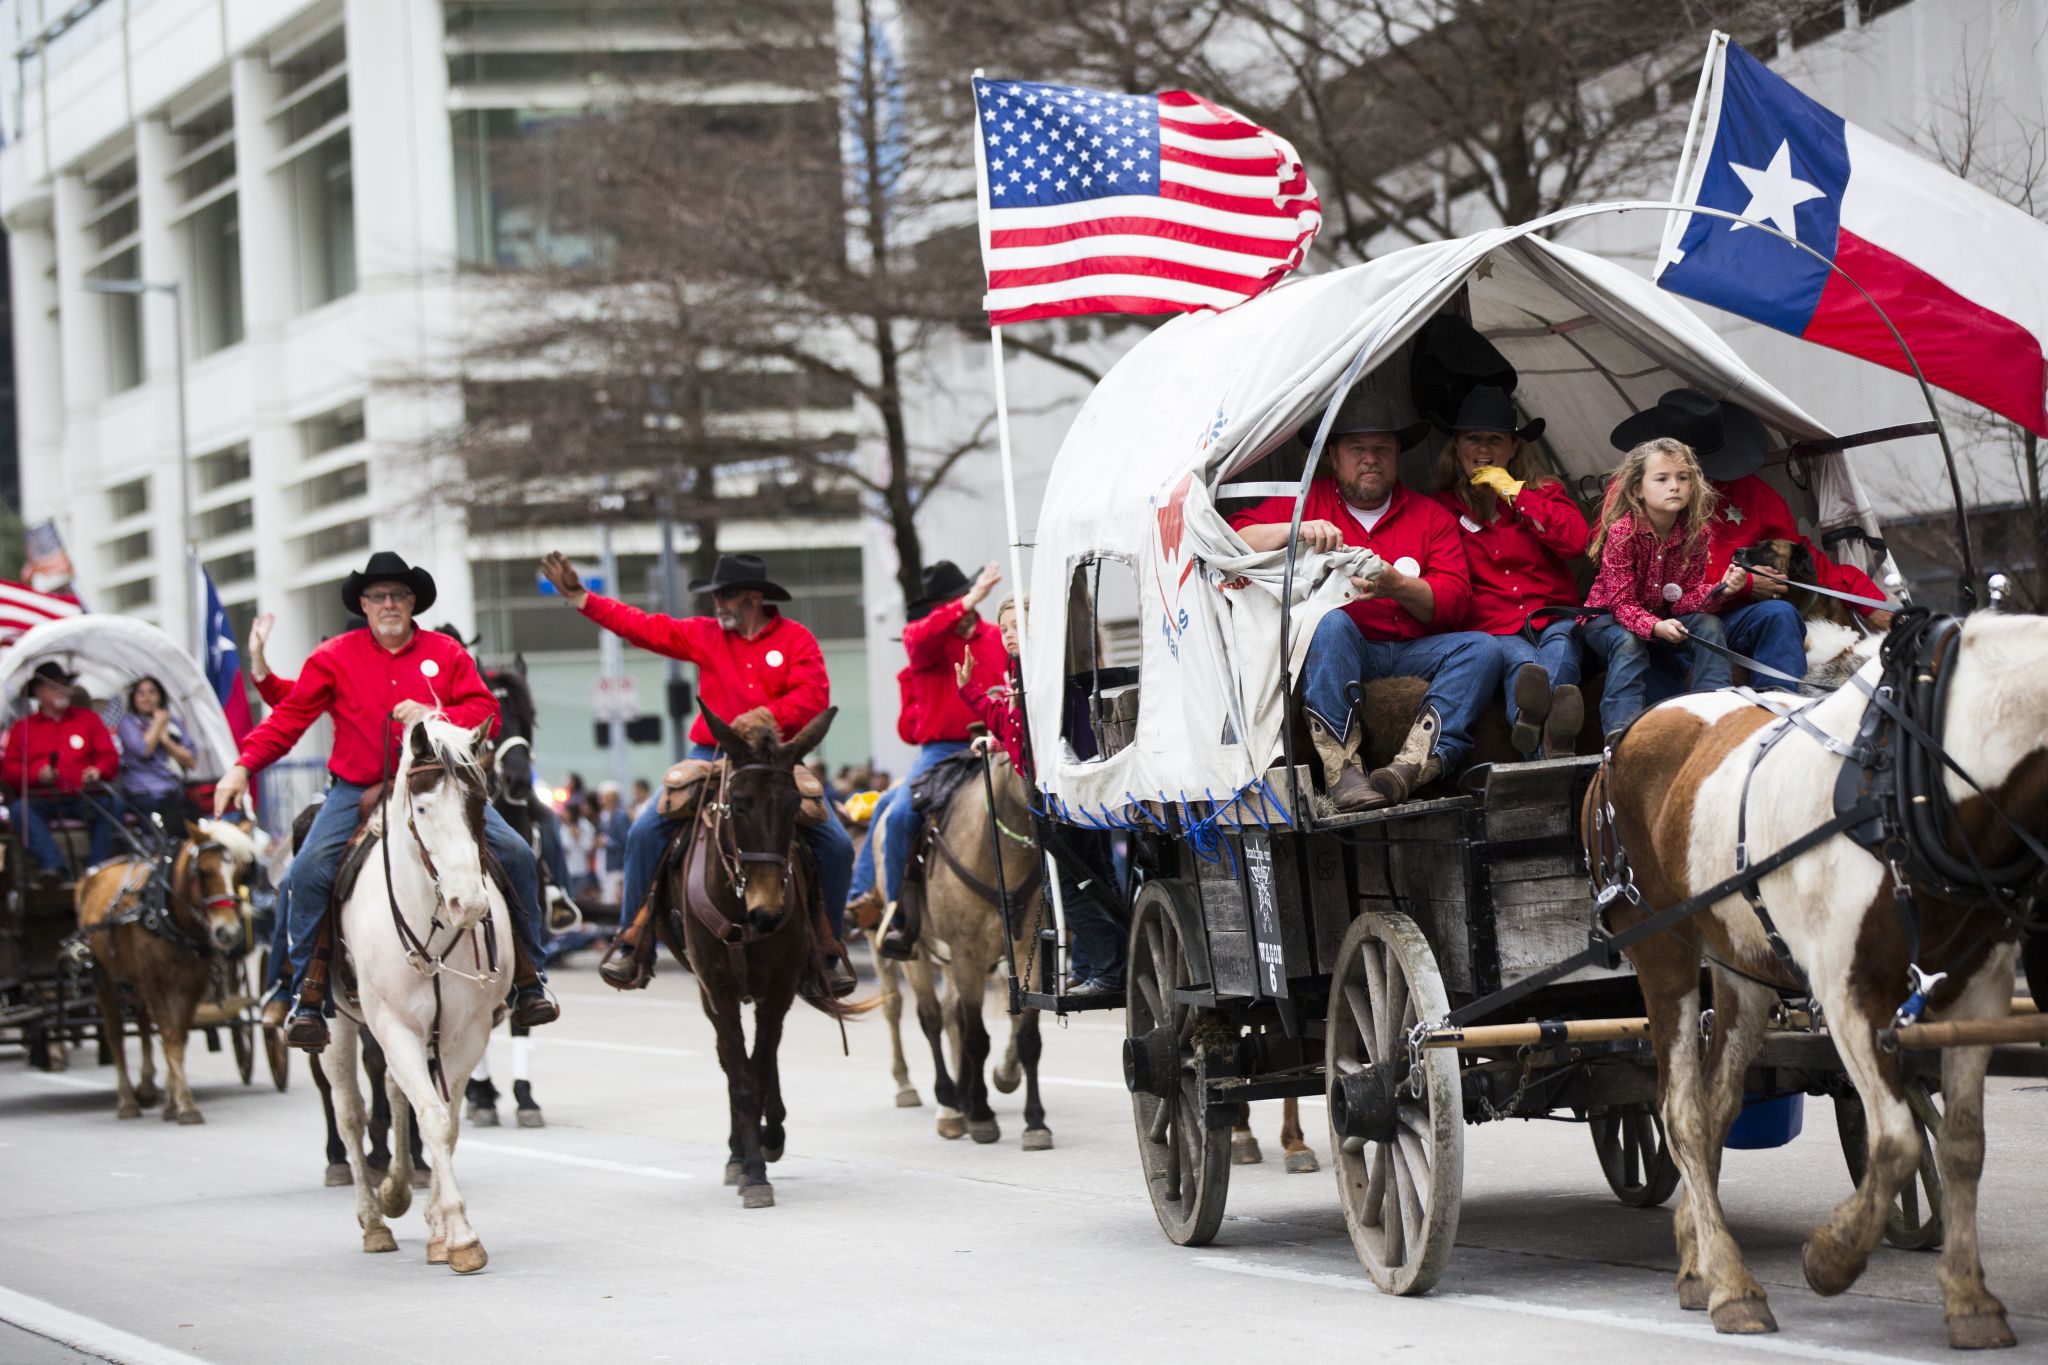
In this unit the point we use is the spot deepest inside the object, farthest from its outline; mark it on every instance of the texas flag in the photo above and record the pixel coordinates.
(1961, 274)
(224, 662)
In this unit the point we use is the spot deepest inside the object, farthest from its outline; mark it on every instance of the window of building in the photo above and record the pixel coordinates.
(129, 549)
(232, 568)
(333, 429)
(114, 240)
(339, 485)
(204, 177)
(219, 468)
(346, 538)
(521, 198)
(312, 120)
(129, 499)
(132, 595)
(227, 519)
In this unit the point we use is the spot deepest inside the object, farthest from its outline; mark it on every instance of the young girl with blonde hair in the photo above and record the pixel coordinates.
(1652, 545)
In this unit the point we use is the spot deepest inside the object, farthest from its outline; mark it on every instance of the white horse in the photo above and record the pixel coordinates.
(429, 993)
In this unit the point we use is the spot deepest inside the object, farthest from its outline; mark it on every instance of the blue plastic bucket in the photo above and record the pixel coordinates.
(1767, 1121)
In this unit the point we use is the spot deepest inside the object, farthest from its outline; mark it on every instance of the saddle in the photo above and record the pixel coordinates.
(932, 794)
(683, 787)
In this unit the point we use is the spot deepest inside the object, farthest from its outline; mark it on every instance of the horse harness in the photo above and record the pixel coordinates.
(155, 908)
(713, 821)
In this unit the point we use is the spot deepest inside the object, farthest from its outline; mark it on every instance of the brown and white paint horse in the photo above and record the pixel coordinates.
(171, 967)
(1676, 785)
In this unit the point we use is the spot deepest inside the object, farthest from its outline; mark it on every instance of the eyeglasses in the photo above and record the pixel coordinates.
(394, 596)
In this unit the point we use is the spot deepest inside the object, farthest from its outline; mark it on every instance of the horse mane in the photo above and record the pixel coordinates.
(517, 700)
(236, 840)
(451, 743)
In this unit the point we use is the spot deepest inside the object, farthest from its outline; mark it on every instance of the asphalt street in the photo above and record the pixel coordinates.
(611, 1236)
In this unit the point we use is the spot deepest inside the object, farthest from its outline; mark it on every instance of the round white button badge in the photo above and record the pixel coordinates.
(1672, 592)
(774, 658)
(1407, 565)
(430, 668)
(78, 741)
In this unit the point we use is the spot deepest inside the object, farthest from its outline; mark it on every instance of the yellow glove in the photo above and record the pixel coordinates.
(1498, 479)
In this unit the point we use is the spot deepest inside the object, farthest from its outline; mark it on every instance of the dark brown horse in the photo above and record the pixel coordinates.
(743, 896)
(158, 929)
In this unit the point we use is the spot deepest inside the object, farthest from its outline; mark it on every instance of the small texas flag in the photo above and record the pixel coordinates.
(1962, 274)
(223, 662)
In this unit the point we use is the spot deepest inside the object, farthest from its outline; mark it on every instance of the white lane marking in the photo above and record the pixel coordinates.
(470, 1144)
(1702, 1335)
(635, 998)
(1076, 1080)
(74, 1082)
(87, 1335)
(642, 1049)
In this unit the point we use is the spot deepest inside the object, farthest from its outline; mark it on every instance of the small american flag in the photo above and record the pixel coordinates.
(22, 607)
(1102, 203)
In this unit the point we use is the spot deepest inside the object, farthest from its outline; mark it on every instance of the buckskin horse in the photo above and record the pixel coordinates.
(429, 936)
(157, 926)
(1877, 855)
(743, 895)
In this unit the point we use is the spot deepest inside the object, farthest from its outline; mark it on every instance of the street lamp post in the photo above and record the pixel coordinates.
(195, 613)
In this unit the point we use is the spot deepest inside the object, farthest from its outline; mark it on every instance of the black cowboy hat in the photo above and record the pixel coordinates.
(48, 671)
(386, 567)
(1450, 360)
(1729, 439)
(738, 573)
(1367, 409)
(1489, 409)
(940, 582)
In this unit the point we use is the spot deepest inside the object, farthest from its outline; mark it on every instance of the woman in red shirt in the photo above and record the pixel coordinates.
(1521, 530)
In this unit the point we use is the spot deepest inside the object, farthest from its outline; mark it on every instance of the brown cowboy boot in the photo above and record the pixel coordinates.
(838, 971)
(307, 1027)
(632, 968)
(1416, 765)
(1343, 776)
(531, 1006)
(900, 939)
(1567, 718)
(1533, 705)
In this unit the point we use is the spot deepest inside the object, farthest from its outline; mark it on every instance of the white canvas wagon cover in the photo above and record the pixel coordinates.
(1207, 395)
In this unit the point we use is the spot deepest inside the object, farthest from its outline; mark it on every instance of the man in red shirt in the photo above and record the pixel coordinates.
(1405, 622)
(943, 628)
(67, 748)
(373, 682)
(748, 656)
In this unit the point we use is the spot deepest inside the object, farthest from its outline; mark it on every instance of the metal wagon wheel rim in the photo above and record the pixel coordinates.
(1400, 1196)
(1635, 1156)
(1186, 1163)
(1914, 1221)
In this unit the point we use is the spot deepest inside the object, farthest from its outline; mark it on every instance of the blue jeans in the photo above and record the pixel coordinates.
(1628, 658)
(1096, 936)
(103, 810)
(281, 939)
(829, 843)
(1555, 649)
(894, 807)
(550, 829)
(1771, 633)
(1463, 669)
(311, 881)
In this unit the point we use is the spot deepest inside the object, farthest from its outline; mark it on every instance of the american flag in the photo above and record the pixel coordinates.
(1103, 203)
(22, 606)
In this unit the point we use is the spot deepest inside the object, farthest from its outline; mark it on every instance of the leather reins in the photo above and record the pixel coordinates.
(715, 822)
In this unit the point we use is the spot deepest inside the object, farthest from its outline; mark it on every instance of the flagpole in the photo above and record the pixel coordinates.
(1674, 226)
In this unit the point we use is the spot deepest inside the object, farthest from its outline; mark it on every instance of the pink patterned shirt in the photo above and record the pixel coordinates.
(1644, 581)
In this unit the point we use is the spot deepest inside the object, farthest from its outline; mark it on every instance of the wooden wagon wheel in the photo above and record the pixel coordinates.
(1398, 1141)
(1634, 1156)
(1914, 1223)
(1186, 1162)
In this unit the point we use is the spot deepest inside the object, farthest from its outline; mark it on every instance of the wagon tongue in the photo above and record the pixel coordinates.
(1365, 1103)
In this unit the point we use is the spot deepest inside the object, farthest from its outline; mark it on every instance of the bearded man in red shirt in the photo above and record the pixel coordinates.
(66, 749)
(1405, 622)
(373, 682)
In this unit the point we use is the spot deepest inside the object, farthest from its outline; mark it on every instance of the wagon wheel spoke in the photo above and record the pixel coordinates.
(1148, 988)
(1371, 1026)
(1415, 1119)
(1393, 1215)
(1155, 939)
(1362, 1020)
(1376, 1174)
(1162, 1115)
(1396, 1014)
(1412, 1215)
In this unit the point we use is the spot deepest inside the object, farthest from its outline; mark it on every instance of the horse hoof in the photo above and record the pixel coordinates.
(1980, 1332)
(761, 1196)
(906, 1098)
(437, 1251)
(1038, 1139)
(985, 1131)
(1692, 1294)
(338, 1175)
(129, 1110)
(1007, 1081)
(952, 1126)
(189, 1117)
(732, 1172)
(532, 1118)
(468, 1260)
(1244, 1150)
(1829, 1270)
(771, 1154)
(147, 1095)
(379, 1238)
(1302, 1163)
(1744, 1317)
(483, 1118)
(170, 1114)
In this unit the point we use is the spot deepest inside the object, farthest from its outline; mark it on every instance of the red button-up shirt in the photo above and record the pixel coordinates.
(274, 687)
(932, 708)
(357, 681)
(72, 743)
(1752, 512)
(996, 708)
(1519, 562)
(1414, 528)
(1635, 567)
(782, 668)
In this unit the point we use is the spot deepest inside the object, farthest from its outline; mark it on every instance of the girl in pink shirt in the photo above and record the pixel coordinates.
(1652, 545)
